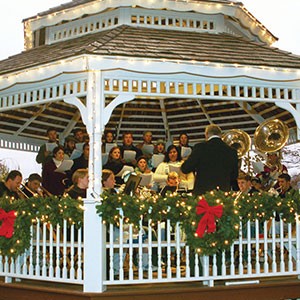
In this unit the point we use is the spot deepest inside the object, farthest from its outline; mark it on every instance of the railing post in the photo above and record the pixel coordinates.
(94, 249)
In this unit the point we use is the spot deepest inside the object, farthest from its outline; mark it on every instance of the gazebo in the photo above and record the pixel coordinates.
(166, 66)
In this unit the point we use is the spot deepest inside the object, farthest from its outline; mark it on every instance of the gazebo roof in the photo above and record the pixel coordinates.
(157, 44)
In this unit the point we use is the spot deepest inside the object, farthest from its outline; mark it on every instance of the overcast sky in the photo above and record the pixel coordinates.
(280, 17)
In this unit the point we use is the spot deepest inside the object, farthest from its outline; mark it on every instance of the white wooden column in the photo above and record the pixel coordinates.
(94, 230)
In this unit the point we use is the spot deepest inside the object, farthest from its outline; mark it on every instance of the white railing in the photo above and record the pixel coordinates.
(134, 256)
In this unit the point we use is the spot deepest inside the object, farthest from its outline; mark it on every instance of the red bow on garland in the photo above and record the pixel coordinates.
(8, 221)
(208, 220)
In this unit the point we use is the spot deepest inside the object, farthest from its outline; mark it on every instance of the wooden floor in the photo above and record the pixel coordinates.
(278, 288)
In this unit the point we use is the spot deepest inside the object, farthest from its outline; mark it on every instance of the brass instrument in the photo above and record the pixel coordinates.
(239, 140)
(21, 194)
(271, 136)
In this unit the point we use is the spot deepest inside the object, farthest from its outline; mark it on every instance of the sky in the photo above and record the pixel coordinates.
(280, 17)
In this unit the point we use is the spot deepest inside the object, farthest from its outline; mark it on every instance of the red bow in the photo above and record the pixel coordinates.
(208, 220)
(8, 220)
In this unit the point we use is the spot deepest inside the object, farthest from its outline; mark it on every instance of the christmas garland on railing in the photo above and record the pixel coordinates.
(215, 216)
(17, 215)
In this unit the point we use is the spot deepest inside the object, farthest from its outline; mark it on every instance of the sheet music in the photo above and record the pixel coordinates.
(148, 149)
(258, 166)
(125, 169)
(157, 159)
(75, 154)
(104, 158)
(146, 179)
(174, 168)
(109, 146)
(50, 146)
(79, 146)
(66, 165)
(129, 155)
(186, 151)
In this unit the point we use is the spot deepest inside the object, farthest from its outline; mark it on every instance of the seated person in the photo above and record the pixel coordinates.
(32, 187)
(244, 184)
(11, 185)
(80, 181)
(172, 184)
(108, 181)
(256, 184)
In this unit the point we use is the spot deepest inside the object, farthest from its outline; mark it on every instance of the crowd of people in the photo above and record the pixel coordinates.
(200, 168)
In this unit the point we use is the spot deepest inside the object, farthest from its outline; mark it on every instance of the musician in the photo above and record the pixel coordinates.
(80, 181)
(45, 155)
(172, 184)
(82, 162)
(244, 184)
(69, 146)
(78, 135)
(147, 142)
(214, 162)
(32, 187)
(272, 169)
(11, 185)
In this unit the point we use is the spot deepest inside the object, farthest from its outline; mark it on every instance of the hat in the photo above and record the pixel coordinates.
(160, 141)
(70, 138)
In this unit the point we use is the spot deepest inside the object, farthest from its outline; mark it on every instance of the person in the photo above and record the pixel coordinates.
(108, 139)
(108, 181)
(147, 147)
(115, 163)
(160, 147)
(272, 169)
(244, 184)
(142, 166)
(80, 181)
(69, 146)
(52, 180)
(256, 183)
(45, 152)
(9, 188)
(82, 162)
(172, 162)
(184, 145)
(32, 187)
(214, 162)
(172, 184)
(78, 135)
(128, 146)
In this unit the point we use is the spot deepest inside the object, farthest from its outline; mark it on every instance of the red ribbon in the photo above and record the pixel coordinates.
(8, 221)
(207, 223)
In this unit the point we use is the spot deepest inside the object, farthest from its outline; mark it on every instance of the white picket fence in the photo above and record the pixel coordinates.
(133, 255)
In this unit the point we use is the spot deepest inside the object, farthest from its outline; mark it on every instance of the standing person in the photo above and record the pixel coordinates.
(214, 162)
(52, 180)
(69, 146)
(45, 153)
(128, 146)
(78, 135)
(82, 162)
(11, 185)
(147, 147)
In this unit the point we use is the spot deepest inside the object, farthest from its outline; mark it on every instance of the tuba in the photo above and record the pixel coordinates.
(271, 136)
(239, 140)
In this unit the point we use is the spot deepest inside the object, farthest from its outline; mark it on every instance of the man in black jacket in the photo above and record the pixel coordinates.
(214, 163)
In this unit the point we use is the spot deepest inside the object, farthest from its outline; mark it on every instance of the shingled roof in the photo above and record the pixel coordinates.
(157, 44)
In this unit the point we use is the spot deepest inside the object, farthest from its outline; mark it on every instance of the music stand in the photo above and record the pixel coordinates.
(132, 184)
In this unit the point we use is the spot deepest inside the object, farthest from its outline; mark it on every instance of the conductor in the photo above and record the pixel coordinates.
(214, 163)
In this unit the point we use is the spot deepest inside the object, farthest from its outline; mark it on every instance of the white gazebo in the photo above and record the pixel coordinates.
(163, 65)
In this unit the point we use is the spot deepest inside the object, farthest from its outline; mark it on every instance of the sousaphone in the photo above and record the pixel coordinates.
(239, 140)
(271, 136)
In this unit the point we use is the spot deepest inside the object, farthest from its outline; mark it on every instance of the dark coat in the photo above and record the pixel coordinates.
(214, 163)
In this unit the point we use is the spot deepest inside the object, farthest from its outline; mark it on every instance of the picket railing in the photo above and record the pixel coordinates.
(158, 253)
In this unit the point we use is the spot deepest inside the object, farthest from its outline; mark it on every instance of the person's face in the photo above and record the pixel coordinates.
(272, 159)
(148, 137)
(244, 185)
(110, 182)
(34, 185)
(13, 185)
(109, 138)
(142, 164)
(173, 154)
(160, 148)
(173, 181)
(59, 155)
(116, 154)
(86, 151)
(52, 135)
(183, 140)
(79, 136)
(84, 182)
(71, 145)
(128, 139)
(283, 184)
